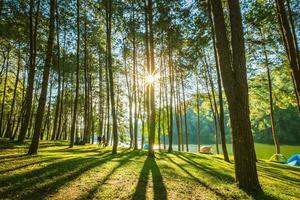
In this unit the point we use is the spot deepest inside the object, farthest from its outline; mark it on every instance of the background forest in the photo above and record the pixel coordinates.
(182, 36)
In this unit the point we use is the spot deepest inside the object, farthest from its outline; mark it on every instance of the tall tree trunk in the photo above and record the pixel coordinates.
(290, 42)
(86, 89)
(213, 111)
(273, 125)
(178, 118)
(48, 118)
(185, 115)
(160, 95)
(107, 104)
(135, 124)
(151, 86)
(9, 129)
(128, 84)
(4, 95)
(111, 79)
(221, 103)
(236, 89)
(42, 101)
(31, 74)
(167, 103)
(171, 69)
(198, 115)
(62, 106)
(297, 49)
(57, 108)
(77, 77)
(100, 98)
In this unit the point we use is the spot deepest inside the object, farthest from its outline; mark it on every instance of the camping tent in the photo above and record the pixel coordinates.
(206, 149)
(279, 158)
(294, 160)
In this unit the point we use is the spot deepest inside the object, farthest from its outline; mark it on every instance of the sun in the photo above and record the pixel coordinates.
(150, 79)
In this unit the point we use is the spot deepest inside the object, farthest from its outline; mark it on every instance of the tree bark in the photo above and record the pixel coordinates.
(135, 124)
(31, 74)
(42, 101)
(171, 69)
(273, 125)
(151, 86)
(290, 42)
(9, 129)
(198, 115)
(234, 79)
(77, 77)
(57, 108)
(4, 95)
(111, 79)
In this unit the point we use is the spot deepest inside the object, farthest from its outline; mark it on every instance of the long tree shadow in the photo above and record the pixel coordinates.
(213, 172)
(121, 163)
(218, 175)
(44, 181)
(160, 191)
(22, 166)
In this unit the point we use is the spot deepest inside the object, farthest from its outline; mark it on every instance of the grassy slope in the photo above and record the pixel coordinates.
(88, 172)
(263, 151)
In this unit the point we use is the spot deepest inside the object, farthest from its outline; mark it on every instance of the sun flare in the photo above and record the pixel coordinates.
(150, 79)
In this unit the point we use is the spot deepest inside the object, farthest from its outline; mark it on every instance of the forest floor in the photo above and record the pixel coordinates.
(92, 172)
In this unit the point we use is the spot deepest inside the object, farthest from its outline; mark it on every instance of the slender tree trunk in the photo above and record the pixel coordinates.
(128, 84)
(62, 106)
(9, 129)
(86, 89)
(135, 124)
(4, 95)
(198, 115)
(100, 98)
(57, 108)
(273, 125)
(166, 102)
(290, 42)
(185, 115)
(213, 112)
(160, 95)
(221, 103)
(107, 105)
(178, 113)
(171, 98)
(48, 120)
(42, 101)
(151, 86)
(77, 77)
(110, 73)
(31, 73)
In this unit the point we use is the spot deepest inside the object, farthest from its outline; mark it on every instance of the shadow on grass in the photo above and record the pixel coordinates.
(11, 157)
(76, 151)
(16, 167)
(194, 178)
(121, 163)
(207, 169)
(38, 183)
(160, 191)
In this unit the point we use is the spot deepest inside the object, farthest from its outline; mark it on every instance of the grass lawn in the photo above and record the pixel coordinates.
(265, 151)
(90, 172)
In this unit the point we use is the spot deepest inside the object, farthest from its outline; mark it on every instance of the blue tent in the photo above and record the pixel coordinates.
(294, 160)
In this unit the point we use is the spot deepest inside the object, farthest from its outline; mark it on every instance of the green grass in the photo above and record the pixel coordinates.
(91, 172)
(263, 151)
